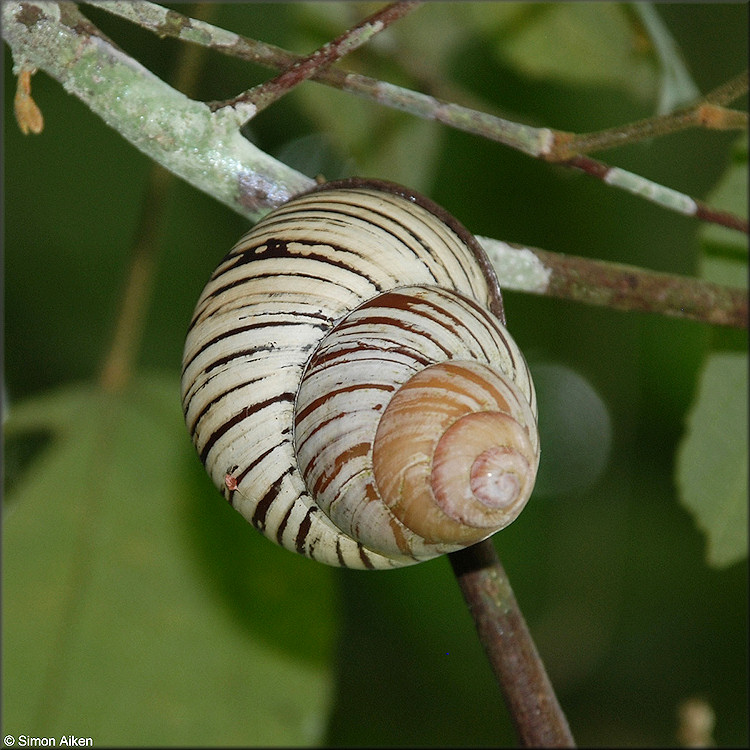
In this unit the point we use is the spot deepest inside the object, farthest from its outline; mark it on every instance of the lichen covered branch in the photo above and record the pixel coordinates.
(202, 147)
(567, 149)
(615, 285)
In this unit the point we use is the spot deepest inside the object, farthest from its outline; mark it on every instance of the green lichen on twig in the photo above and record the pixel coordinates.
(206, 149)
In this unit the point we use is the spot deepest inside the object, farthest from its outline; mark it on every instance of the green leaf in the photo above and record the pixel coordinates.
(579, 43)
(129, 616)
(712, 461)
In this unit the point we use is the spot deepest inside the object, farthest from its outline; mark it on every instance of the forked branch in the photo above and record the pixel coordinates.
(548, 144)
(306, 67)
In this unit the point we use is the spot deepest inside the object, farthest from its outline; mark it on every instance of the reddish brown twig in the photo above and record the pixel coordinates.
(502, 630)
(307, 67)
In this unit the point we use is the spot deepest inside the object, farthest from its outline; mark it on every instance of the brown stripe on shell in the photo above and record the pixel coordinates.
(466, 237)
(319, 402)
(264, 504)
(304, 318)
(328, 476)
(304, 530)
(245, 413)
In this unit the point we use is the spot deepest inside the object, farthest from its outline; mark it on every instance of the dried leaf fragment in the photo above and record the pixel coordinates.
(28, 114)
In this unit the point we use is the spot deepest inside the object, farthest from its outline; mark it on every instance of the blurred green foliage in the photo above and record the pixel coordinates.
(157, 579)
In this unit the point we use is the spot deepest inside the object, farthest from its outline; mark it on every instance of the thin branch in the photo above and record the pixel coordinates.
(728, 92)
(542, 143)
(270, 91)
(119, 363)
(708, 112)
(615, 285)
(538, 718)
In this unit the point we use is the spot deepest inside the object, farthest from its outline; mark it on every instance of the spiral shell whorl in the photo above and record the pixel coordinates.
(455, 454)
(374, 381)
(267, 307)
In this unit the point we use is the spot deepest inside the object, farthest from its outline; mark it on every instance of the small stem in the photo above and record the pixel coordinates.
(118, 364)
(714, 118)
(538, 718)
(729, 91)
(723, 218)
(307, 67)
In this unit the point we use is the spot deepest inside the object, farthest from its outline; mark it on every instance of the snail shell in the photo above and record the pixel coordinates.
(349, 385)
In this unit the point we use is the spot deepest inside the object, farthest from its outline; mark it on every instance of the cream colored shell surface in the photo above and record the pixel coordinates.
(277, 294)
